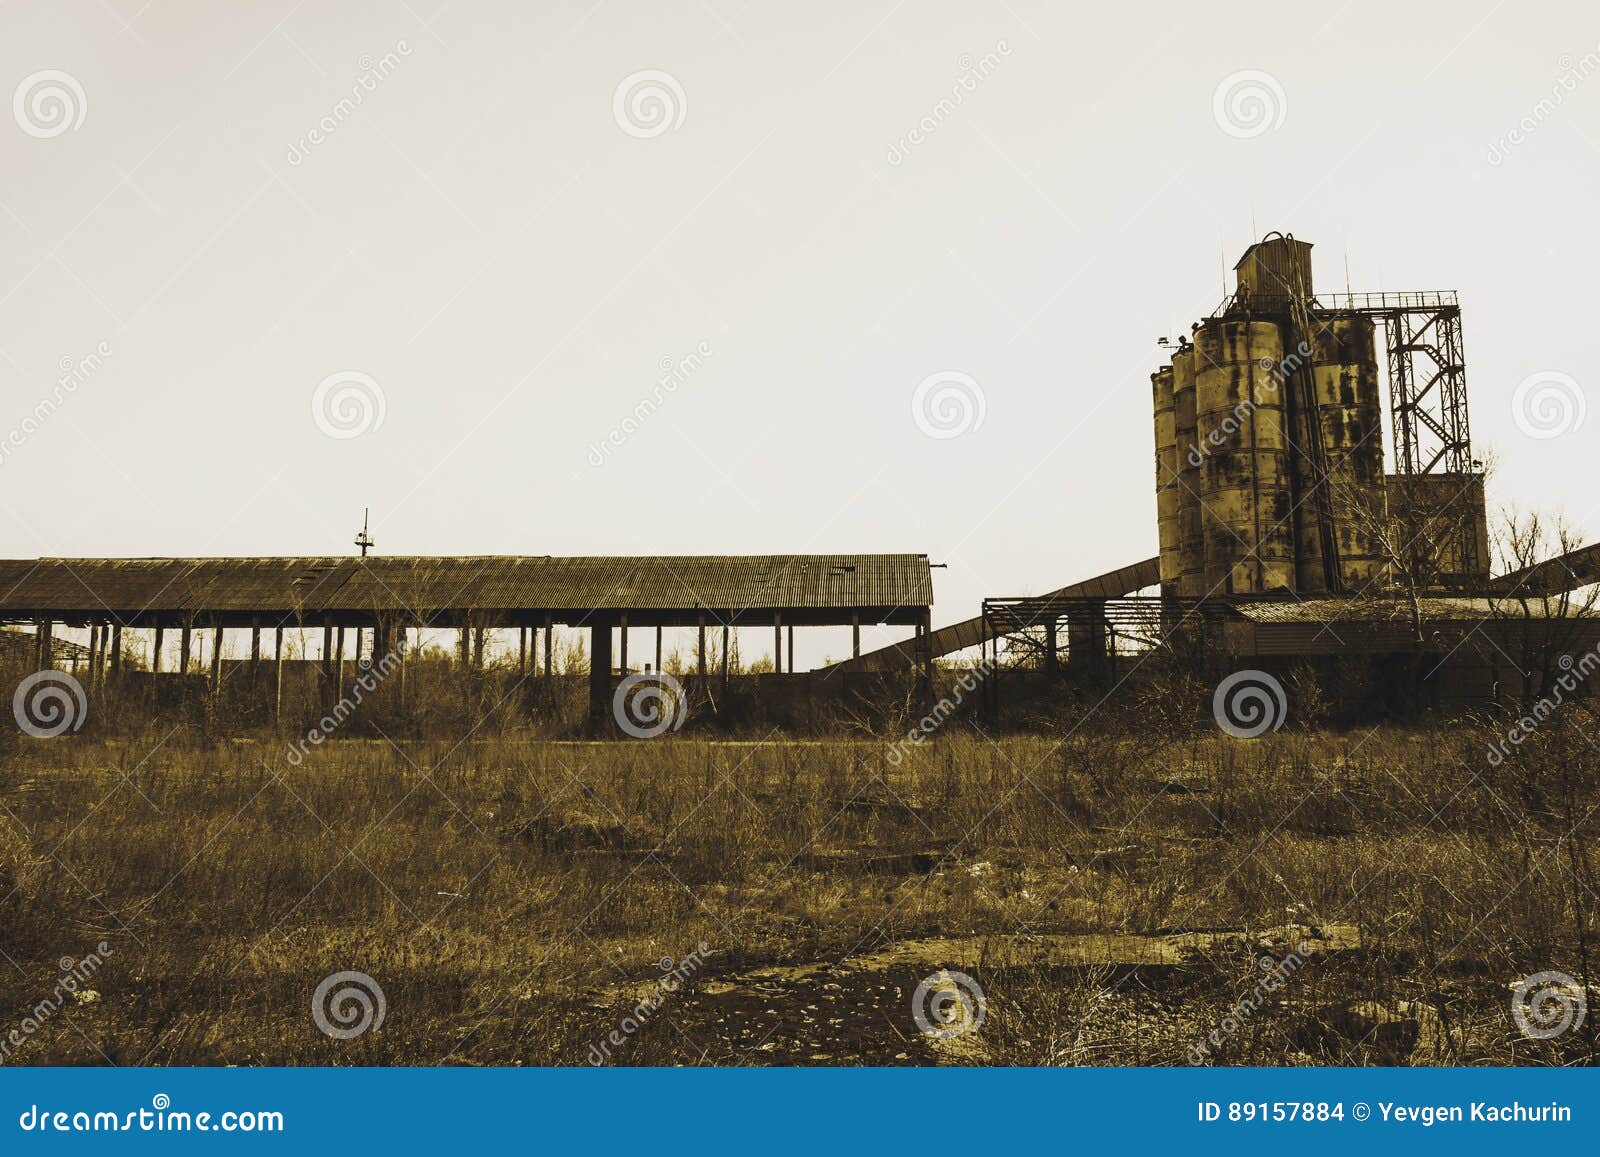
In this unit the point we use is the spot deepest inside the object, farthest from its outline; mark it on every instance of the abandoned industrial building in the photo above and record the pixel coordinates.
(1286, 532)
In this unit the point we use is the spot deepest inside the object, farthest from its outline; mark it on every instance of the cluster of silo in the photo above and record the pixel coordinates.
(1269, 457)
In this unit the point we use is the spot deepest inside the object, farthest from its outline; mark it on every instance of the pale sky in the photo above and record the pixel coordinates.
(510, 251)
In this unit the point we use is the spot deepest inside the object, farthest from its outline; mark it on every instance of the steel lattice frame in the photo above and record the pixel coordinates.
(1427, 377)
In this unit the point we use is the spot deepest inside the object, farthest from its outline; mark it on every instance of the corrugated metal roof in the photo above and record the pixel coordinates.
(424, 584)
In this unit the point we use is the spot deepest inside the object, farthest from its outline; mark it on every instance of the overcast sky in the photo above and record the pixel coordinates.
(484, 229)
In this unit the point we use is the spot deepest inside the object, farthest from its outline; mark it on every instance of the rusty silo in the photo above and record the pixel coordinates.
(1242, 440)
(1167, 494)
(1348, 410)
(1191, 538)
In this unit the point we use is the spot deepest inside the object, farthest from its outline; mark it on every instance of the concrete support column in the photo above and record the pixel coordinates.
(1086, 641)
(400, 661)
(599, 670)
(216, 661)
(925, 658)
(277, 677)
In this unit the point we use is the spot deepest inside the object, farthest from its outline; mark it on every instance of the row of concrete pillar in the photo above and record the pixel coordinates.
(105, 650)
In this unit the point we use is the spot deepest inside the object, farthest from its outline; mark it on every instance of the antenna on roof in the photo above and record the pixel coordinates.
(364, 540)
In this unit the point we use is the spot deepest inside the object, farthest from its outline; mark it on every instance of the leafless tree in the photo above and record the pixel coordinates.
(1556, 609)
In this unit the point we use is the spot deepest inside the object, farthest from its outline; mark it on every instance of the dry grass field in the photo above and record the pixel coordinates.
(1363, 896)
